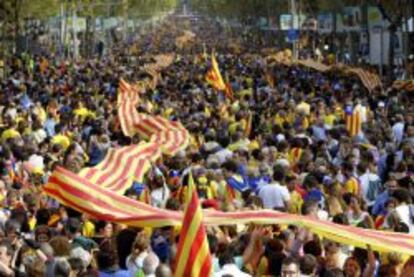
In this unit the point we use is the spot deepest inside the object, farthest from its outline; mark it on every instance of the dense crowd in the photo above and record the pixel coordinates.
(296, 156)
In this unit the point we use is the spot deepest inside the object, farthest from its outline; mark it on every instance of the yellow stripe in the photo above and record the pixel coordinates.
(189, 239)
(87, 205)
(202, 254)
(91, 191)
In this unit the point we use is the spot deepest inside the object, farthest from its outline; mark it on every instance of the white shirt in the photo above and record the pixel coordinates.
(223, 155)
(39, 135)
(398, 132)
(403, 212)
(159, 196)
(364, 185)
(274, 196)
(231, 269)
(136, 265)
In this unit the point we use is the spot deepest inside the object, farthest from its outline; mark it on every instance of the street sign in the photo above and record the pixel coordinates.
(293, 35)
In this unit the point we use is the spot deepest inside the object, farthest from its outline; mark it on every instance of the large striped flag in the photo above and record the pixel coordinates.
(122, 166)
(193, 254)
(353, 121)
(368, 79)
(213, 76)
(318, 66)
(100, 203)
(170, 136)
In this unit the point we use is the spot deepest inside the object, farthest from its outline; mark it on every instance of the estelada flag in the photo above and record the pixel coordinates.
(353, 121)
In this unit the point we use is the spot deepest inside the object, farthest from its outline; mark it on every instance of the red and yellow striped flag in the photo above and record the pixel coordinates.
(121, 167)
(368, 79)
(170, 136)
(100, 203)
(213, 76)
(193, 254)
(353, 121)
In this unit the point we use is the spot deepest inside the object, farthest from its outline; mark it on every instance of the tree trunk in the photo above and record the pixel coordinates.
(16, 23)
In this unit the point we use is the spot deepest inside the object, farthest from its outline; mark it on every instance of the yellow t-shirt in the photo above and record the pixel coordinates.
(8, 134)
(63, 140)
(329, 119)
(352, 186)
(41, 114)
(296, 202)
(233, 127)
(83, 113)
(88, 229)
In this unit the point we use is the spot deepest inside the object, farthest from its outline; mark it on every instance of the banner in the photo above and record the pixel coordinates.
(325, 23)
(349, 20)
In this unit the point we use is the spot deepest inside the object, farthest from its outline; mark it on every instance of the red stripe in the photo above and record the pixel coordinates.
(112, 195)
(57, 195)
(206, 269)
(168, 216)
(113, 166)
(124, 173)
(91, 199)
(126, 119)
(367, 233)
(195, 248)
(189, 214)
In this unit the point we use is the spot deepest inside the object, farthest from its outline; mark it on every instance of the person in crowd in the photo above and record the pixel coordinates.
(279, 141)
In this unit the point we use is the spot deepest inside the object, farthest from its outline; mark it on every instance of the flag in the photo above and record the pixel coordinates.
(315, 65)
(193, 254)
(228, 92)
(170, 136)
(122, 166)
(353, 121)
(368, 79)
(248, 129)
(103, 204)
(213, 76)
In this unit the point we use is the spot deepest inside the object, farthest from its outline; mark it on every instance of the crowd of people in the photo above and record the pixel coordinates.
(280, 143)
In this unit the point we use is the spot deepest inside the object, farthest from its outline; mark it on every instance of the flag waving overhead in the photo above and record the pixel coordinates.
(353, 121)
(193, 254)
(170, 136)
(214, 77)
(100, 203)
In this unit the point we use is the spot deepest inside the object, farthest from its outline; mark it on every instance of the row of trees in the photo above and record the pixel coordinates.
(395, 11)
(14, 13)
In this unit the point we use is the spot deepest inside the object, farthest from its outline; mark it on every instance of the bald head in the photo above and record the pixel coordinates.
(163, 270)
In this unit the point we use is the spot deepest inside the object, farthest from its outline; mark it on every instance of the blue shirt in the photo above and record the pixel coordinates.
(238, 183)
(256, 183)
(379, 205)
(319, 133)
(115, 273)
(26, 102)
(50, 127)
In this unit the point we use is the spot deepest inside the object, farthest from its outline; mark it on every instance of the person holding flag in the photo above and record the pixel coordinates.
(215, 79)
(193, 254)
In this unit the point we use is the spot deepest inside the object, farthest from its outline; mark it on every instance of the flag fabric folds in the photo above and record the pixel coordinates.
(370, 80)
(353, 121)
(193, 255)
(171, 137)
(121, 167)
(103, 204)
(213, 76)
